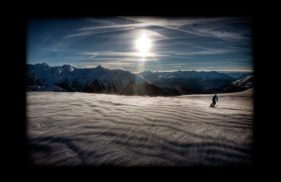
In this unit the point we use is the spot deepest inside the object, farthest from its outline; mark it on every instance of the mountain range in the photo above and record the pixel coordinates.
(241, 84)
(42, 77)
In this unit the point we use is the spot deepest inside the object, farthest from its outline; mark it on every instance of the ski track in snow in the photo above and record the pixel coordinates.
(71, 128)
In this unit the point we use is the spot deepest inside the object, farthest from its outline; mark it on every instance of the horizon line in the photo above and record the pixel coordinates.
(198, 70)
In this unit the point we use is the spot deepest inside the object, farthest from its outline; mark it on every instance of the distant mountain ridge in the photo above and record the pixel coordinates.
(42, 77)
(243, 83)
(187, 82)
(237, 74)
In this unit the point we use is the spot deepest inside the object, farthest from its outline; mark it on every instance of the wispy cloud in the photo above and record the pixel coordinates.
(178, 24)
(114, 26)
(211, 32)
(206, 28)
(111, 41)
(119, 54)
(134, 28)
(97, 31)
(135, 56)
(199, 51)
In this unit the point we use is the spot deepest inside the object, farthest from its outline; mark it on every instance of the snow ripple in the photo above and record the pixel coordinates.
(70, 129)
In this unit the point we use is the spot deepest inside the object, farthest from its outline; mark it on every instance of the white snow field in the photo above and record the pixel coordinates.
(77, 129)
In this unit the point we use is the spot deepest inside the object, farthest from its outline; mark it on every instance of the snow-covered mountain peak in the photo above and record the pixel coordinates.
(100, 67)
(69, 68)
(146, 72)
(70, 78)
(101, 79)
(42, 66)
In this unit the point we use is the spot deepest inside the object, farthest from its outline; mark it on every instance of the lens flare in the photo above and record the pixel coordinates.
(143, 45)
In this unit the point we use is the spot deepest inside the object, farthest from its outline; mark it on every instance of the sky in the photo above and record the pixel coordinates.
(139, 44)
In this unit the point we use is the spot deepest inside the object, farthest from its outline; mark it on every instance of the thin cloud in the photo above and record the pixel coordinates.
(172, 24)
(119, 28)
(176, 24)
(207, 32)
(192, 42)
(114, 26)
(120, 54)
(133, 56)
(97, 31)
(158, 21)
(205, 51)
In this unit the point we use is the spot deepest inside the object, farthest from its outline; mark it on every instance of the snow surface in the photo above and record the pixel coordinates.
(71, 128)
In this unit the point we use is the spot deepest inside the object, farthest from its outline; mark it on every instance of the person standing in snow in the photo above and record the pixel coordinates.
(215, 100)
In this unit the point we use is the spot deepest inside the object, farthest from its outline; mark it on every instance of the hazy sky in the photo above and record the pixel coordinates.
(143, 43)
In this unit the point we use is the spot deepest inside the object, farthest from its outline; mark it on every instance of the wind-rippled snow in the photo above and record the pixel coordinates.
(71, 128)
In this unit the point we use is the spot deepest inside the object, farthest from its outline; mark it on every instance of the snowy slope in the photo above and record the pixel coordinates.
(70, 128)
(246, 82)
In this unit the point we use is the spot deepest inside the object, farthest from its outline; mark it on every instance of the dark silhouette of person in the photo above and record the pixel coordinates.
(215, 100)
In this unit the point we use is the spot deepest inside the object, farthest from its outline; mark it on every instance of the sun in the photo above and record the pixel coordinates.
(143, 44)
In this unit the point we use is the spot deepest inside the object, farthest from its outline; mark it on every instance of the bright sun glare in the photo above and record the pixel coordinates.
(143, 45)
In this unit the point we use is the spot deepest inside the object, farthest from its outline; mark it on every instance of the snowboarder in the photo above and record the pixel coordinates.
(215, 99)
